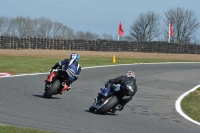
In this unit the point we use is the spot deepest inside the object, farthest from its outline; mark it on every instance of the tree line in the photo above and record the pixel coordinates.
(149, 26)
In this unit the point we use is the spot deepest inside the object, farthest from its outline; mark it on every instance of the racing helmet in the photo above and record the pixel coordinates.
(74, 56)
(130, 74)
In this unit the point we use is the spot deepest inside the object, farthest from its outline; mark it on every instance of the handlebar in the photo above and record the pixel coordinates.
(55, 70)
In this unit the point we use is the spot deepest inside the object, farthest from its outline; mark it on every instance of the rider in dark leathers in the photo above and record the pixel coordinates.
(128, 88)
(73, 69)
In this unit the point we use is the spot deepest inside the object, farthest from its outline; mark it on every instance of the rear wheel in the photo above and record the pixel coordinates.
(52, 90)
(107, 105)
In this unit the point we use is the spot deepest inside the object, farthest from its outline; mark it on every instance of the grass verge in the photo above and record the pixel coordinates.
(22, 64)
(190, 105)
(13, 129)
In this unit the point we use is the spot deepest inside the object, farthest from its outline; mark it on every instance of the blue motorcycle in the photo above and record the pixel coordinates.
(106, 100)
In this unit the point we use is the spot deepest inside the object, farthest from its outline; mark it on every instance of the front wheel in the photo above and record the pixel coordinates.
(55, 86)
(92, 108)
(107, 105)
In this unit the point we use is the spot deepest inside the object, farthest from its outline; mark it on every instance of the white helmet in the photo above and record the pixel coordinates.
(130, 74)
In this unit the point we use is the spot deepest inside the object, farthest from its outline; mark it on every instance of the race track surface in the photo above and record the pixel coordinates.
(152, 109)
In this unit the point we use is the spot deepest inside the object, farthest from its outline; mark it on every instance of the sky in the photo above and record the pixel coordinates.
(96, 16)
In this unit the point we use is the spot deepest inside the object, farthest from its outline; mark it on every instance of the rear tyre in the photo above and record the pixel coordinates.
(55, 86)
(107, 106)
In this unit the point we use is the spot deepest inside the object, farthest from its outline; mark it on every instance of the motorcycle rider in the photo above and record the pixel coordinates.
(128, 88)
(73, 70)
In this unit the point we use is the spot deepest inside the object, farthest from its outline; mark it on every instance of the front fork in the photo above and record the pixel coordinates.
(48, 85)
(49, 80)
(98, 101)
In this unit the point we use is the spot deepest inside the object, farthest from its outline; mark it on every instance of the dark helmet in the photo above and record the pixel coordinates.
(74, 56)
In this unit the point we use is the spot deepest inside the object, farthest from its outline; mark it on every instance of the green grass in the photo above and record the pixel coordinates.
(18, 65)
(13, 129)
(191, 105)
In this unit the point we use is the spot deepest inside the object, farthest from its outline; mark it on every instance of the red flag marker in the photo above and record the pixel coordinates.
(171, 33)
(120, 29)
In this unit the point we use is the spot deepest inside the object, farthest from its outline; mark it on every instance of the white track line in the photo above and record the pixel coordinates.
(178, 105)
(101, 66)
(178, 101)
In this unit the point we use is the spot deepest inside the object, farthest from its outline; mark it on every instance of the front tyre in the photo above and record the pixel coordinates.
(55, 86)
(107, 105)
(92, 108)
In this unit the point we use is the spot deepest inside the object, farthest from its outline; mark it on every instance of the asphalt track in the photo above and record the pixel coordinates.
(152, 109)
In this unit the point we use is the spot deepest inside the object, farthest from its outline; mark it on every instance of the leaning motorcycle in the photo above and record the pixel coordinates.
(56, 85)
(106, 100)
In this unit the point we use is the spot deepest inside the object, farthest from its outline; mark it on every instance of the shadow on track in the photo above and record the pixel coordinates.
(41, 96)
(110, 114)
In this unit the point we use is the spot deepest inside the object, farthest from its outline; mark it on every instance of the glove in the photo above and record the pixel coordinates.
(76, 77)
(51, 71)
(106, 84)
(111, 86)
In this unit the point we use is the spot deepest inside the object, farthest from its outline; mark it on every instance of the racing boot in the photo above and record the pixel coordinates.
(66, 87)
(117, 107)
(69, 87)
(122, 103)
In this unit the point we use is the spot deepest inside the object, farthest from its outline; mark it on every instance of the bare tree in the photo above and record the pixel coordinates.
(57, 30)
(107, 36)
(80, 35)
(127, 38)
(70, 34)
(42, 27)
(3, 24)
(184, 25)
(145, 28)
(91, 36)
(86, 35)
(21, 26)
(62, 31)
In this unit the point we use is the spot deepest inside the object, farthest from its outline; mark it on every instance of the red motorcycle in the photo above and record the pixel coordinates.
(56, 83)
